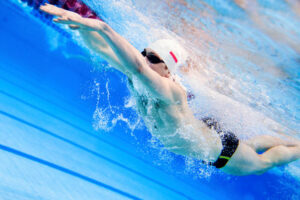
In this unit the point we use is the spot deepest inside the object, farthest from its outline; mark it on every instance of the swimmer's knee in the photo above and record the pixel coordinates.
(273, 156)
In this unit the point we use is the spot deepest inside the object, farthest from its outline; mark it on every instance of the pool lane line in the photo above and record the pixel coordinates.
(71, 125)
(86, 132)
(91, 152)
(41, 97)
(59, 106)
(66, 170)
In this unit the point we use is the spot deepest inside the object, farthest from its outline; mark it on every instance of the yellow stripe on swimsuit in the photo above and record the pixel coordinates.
(225, 157)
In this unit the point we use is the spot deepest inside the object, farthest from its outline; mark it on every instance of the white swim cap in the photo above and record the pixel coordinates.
(172, 53)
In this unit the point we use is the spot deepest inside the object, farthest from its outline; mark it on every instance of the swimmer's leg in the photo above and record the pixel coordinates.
(262, 143)
(280, 155)
(246, 161)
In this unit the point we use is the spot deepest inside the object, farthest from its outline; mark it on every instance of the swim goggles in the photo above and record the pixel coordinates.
(154, 59)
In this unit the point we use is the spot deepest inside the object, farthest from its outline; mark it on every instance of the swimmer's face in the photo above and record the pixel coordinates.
(156, 63)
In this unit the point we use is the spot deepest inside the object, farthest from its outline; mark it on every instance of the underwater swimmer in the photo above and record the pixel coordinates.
(164, 106)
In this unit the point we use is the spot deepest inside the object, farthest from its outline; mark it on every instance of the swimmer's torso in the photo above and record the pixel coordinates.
(158, 115)
(175, 126)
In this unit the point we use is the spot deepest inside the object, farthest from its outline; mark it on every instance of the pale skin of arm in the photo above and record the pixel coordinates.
(103, 40)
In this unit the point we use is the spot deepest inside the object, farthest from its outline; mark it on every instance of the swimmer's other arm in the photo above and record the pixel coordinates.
(119, 52)
(103, 38)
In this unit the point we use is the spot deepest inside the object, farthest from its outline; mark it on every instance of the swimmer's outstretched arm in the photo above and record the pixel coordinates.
(97, 44)
(115, 49)
(125, 57)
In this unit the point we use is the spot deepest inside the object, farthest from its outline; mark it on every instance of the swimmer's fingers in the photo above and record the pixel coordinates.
(78, 22)
(62, 20)
(74, 27)
(59, 12)
(52, 10)
(68, 20)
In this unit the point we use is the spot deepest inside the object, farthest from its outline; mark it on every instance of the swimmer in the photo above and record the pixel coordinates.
(164, 106)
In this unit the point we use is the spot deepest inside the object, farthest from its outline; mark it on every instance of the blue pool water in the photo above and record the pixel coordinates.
(68, 130)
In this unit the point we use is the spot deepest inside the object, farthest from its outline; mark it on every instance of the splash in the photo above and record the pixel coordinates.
(106, 117)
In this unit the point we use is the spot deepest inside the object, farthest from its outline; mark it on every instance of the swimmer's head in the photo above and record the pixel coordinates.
(170, 52)
(166, 57)
(156, 63)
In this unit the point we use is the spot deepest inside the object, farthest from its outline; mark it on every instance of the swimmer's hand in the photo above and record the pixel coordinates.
(74, 20)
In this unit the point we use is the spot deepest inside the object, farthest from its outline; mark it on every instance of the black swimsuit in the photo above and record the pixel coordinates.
(229, 141)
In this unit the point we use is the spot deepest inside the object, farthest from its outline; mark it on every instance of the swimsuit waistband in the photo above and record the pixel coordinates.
(229, 142)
